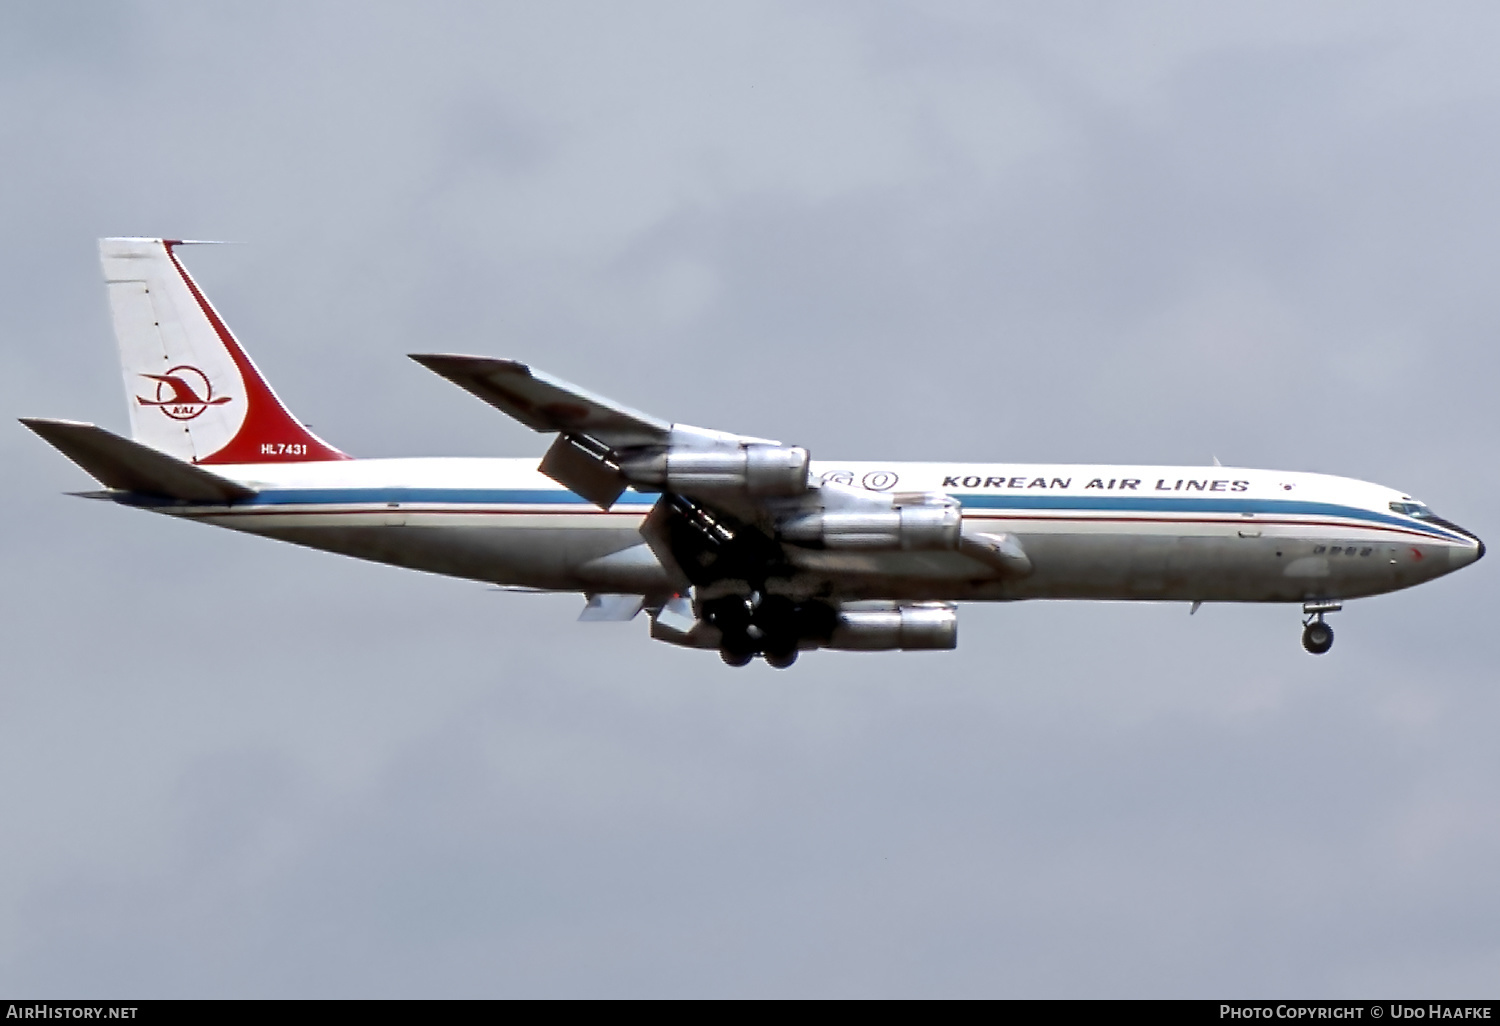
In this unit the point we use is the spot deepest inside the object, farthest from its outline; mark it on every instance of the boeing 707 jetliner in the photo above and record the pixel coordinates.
(729, 542)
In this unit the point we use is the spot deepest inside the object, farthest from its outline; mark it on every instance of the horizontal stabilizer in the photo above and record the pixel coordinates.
(544, 403)
(130, 466)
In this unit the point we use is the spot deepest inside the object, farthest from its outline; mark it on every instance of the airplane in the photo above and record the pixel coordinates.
(729, 542)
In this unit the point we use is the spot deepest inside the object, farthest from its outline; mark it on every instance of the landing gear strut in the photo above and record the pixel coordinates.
(1317, 636)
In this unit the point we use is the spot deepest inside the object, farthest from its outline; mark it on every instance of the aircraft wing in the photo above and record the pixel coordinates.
(544, 403)
(602, 446)
(729, 502)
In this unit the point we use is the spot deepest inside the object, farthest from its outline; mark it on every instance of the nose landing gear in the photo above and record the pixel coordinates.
(1317, 636)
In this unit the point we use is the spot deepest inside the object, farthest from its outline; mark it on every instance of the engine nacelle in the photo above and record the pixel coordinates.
(882, 627)
(755, 470)
(910, 528)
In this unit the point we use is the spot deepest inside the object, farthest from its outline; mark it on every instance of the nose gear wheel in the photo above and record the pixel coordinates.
(1317, 636)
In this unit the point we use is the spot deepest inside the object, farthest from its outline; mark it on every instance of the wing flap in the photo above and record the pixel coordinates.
(544, 403)
(603, 608)
(121, 464)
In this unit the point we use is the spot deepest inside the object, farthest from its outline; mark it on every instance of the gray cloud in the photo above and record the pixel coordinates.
(903, 231)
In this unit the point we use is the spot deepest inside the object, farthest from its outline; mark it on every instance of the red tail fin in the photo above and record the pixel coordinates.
(270, 434)
(197, 393)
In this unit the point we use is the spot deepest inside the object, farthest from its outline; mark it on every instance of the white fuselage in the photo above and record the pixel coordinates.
(732, 542)
(1213, 534)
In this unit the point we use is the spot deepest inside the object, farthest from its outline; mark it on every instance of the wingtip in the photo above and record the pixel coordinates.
(439, 363)
(40, 423)
(442, 363)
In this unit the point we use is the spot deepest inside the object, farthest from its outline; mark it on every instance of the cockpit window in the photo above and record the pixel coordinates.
(1413, 509)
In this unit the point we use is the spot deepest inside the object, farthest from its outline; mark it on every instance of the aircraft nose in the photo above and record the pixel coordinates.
(1463, 555)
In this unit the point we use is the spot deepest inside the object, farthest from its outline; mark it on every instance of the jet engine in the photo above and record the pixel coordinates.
(884, 626)
(908, 528)
(757, 471)
(852, 627)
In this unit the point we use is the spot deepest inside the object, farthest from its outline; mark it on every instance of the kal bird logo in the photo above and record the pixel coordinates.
(182, 393)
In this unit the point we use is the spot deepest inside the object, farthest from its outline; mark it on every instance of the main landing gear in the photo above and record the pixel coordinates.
(769, 626)
(760, 625)
(1317, 636)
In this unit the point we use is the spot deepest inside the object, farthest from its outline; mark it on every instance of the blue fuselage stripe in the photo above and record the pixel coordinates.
(1225, 506)
(444, 496)
(1165, 504)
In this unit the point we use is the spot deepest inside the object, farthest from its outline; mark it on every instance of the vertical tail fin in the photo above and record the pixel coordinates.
(193, 392)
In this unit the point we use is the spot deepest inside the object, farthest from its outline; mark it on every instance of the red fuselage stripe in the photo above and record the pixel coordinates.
(550, 511)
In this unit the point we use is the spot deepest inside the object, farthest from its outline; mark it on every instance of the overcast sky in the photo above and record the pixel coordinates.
(1013, 232)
